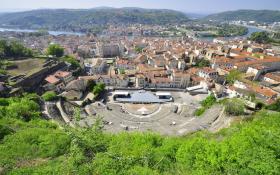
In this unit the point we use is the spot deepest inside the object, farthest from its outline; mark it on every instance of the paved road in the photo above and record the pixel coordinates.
(63, 114)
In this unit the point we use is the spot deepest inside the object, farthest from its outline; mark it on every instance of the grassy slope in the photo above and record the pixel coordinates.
(39, 147)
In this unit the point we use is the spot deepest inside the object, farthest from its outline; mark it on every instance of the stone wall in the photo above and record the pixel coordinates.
(33, 82)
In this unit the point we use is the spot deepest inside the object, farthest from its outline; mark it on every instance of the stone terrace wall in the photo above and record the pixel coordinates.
(34, 81)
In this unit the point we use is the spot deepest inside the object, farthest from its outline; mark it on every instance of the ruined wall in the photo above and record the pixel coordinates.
(33, 82)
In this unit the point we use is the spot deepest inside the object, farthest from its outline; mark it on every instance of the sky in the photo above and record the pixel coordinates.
(191, 6)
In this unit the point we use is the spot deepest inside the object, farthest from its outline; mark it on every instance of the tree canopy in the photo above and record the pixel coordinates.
(14, 49)
(232, 30)
(98, 89)
(91, 20)
(261, 16)
(203, 63)
(72, 60)
(55, 50)
(260, 37)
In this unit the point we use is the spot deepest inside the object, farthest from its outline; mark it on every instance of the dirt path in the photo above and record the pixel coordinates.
(64, 115)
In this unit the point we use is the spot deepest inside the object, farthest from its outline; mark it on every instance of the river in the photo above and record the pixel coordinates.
(55, 33)
(251, 29)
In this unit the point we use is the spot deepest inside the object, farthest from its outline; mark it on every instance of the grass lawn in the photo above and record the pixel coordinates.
(27, 66)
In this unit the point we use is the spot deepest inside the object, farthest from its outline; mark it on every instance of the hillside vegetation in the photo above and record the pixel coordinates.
(263, 16)
(30, 145)
(92, 19)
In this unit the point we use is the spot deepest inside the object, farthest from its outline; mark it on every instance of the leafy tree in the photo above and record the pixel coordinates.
(18, 50)
(55, 50)
(98, 89)
(203, 63)
(231, 30)
(14, 49)
(73, 61)
(233, 76)
(260, 37)
(49, 96)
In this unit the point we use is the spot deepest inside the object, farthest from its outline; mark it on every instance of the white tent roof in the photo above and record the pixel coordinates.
(121, 93)
(163, 94)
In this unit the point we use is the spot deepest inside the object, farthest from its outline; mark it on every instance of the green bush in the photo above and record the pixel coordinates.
(72, 60)
(31, 143)
(275, 106)
(234, 107)
(206, 104)
(199, 111)
(98, 89)
(209, 101)
(4, 102)
(49, 96)
(21, 108)
(4, 130)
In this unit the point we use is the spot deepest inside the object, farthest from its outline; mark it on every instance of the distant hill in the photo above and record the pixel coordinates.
(196, 15)
(79, 20)
(247, 15)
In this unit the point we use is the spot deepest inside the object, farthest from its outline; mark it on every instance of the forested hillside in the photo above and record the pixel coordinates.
(30, 145)
(83, 20)
(266, 16)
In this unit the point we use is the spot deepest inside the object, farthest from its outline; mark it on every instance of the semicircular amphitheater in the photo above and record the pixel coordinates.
(164, 113)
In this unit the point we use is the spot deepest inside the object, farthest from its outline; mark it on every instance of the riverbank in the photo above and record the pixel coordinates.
(251, 29)
(55, 33)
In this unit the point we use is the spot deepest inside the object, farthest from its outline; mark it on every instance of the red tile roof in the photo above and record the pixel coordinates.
(52, 79)
(61, 74)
